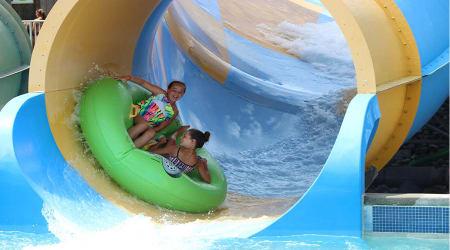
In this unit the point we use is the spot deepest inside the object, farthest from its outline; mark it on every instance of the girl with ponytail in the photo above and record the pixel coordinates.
(184, 156)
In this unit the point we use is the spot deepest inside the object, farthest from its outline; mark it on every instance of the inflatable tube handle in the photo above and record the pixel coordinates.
(134, 110)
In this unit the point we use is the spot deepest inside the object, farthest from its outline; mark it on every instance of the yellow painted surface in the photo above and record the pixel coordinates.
(311, 6)
(245, 16)
(397, 83)
(216, 65)
(76, 39)
(80, 41)
(384, 52)
(385, 146)
(80, 34)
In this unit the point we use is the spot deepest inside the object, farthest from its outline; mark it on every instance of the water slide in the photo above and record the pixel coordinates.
(16, 54)
(400, 55)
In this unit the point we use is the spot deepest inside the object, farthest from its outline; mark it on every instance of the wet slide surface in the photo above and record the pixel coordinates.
(253, 140)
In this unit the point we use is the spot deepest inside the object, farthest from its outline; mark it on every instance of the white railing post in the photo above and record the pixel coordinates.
(33, 27)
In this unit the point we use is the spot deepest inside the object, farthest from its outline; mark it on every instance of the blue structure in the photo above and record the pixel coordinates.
(341, 194)
(21, 206)
(434, 56)
(33, 165)
(33, 170)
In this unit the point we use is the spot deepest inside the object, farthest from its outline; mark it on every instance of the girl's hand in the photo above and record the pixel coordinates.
(125, 78)
(203, 169)
(180, 131)
(183, 129)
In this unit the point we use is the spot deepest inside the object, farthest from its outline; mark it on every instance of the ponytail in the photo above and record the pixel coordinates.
(199, 137)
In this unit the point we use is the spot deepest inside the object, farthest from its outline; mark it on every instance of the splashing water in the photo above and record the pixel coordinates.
(330, 56)
(140, 232)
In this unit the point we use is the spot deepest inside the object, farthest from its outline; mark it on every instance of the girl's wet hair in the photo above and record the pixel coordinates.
(199, 137)
(177, 82)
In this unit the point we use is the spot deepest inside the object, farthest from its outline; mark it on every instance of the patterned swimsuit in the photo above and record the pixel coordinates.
(156, 109)
(186, 168)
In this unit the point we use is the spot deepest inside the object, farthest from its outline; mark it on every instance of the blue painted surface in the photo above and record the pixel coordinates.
(440, 62)
(210, 6)
(322, 18)
(435, 89)
(20, 206)
(34, 162)
(151, 37)
(429, 22)
(333, 204)
(182, 18)
(146, 39)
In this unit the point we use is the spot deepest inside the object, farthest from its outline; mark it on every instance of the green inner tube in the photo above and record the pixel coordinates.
(104, 118)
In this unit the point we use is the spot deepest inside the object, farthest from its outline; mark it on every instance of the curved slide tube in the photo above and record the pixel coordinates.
(15, 51)
(393, 86)
(33, 170)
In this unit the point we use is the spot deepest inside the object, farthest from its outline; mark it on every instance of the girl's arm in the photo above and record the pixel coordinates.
(203, 170)
(168, 149)
(180, 131)
(149, 86)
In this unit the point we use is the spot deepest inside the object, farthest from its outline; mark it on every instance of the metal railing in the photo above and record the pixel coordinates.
(16, 70)
(33, 27)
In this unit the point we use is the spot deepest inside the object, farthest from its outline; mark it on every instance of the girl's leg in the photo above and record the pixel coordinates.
(137, 129)
(140, 125)
(139, 119)
(144, 138)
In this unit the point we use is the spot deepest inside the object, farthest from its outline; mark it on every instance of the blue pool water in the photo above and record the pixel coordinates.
(20, 240)
(323, 242)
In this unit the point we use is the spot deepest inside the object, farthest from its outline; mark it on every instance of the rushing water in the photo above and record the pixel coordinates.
(266, 150)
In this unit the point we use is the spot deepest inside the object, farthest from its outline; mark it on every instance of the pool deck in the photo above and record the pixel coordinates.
(407, 199)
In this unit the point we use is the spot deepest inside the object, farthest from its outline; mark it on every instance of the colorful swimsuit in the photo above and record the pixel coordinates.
(156, 109)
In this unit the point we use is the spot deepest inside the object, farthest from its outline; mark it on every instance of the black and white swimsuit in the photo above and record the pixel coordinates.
(186, 168)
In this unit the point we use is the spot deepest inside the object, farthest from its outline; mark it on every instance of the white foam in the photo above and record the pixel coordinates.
(141, 232)
(320, 44)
